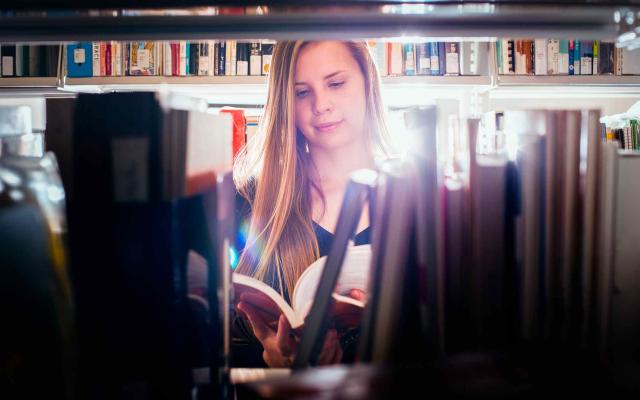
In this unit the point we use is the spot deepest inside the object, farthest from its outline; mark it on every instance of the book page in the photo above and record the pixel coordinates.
(263, 297)
(354, 275)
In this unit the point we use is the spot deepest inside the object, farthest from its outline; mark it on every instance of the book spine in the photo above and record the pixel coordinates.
(108, 61)
(553, 47)
(596, 54)
(435, 59)
(563, 57)
(423, 60)
(182, 52)
(452, 62)
(103, 59)
(95, 51)
(571, 56)
(442, 58)
(19, 62)
(576, 57)
(499, 62)
(222, 59)
(541, 57)
(255, 59)
(586, 59)
(267, 53)
(395, 66)
(408, 59)
(8, 56)
(242, 59)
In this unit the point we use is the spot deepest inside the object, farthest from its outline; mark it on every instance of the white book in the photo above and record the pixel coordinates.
(629, 62)
(183, 58)
(553, 49)
(353, 275)
(541, 56)
(507, 61)
(396, 59)
(167, 67)
(95, 49)
(586, 65)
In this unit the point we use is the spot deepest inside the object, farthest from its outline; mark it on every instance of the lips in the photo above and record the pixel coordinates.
(327, 126)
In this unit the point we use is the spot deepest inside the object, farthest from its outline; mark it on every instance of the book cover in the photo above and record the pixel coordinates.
(141, 58)
(346, 312)
(80, 60)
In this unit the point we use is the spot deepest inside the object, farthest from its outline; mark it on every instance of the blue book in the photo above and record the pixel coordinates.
(435, 59)
(80, 60)
(576, 57)
(442, 56)
(571, 56)
(409, 59)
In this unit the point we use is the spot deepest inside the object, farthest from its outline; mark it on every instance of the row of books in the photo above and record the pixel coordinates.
(430, 58)
(231, 57)
(627, 135)
(28, 60)
(564, 57)
(144, 189)
(530, 254)
(181, 58)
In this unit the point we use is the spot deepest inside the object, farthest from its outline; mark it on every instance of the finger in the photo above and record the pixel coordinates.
(328, 348)
(338, 355)
(258, 324)
(283, 338)
(357, 294)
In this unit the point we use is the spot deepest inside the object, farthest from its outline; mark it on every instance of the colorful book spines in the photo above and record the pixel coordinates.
(561, 57)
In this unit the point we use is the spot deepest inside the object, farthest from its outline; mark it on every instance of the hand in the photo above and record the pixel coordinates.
(280, 346)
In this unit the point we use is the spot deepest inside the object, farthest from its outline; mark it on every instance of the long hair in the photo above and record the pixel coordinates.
(273, 172)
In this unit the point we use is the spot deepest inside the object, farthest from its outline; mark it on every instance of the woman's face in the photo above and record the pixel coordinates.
(329, 96)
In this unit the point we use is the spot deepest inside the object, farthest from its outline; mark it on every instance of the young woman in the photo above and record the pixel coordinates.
(323, 120)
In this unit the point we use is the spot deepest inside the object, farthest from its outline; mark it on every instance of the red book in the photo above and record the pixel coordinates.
(239, 128)
(108, 60)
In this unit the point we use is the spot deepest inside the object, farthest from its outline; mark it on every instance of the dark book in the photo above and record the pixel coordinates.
(242, 59)
(193, 58)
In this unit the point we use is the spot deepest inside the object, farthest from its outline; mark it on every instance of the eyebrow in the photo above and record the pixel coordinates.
(326, 77)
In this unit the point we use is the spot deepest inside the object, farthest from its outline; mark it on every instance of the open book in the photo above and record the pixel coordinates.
(346, 310)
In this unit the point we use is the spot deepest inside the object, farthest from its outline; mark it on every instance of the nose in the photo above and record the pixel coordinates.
(322, 102)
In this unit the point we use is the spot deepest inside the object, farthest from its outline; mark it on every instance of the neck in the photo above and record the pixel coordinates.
(333, 167)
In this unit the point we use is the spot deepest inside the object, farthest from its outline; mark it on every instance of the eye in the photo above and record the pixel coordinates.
(302, 93)
(336, 84)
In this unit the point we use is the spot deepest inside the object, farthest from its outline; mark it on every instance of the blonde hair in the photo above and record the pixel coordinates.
(272, 171)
